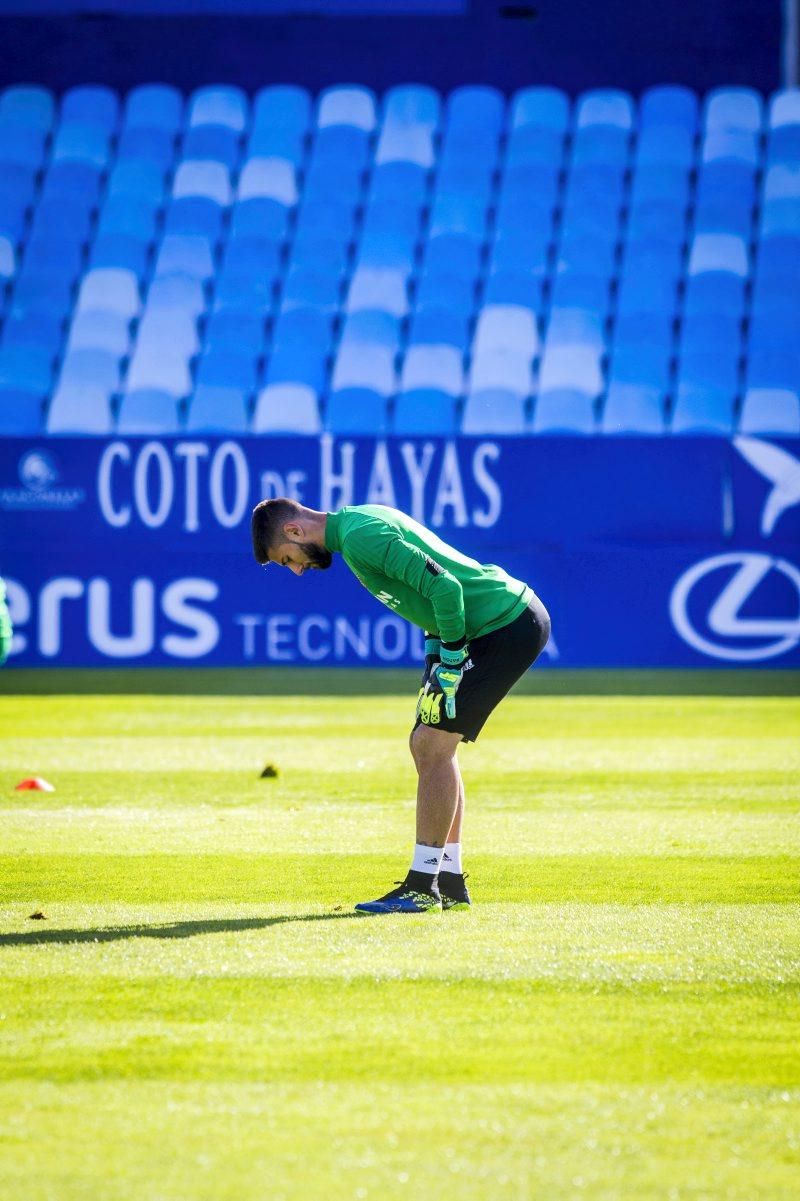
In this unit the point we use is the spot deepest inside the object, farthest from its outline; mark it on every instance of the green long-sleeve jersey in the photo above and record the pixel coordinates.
(420, 577)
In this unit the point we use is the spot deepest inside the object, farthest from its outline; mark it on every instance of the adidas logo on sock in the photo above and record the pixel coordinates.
(447, 858)
(434, 860)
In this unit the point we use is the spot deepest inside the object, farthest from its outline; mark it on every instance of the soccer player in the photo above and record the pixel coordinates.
(483, 631)
(5, 625)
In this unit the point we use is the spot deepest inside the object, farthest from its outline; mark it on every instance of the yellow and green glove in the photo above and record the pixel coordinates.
(442, 683)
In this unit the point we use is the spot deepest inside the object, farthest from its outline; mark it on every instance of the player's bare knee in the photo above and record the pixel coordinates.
(430, 746)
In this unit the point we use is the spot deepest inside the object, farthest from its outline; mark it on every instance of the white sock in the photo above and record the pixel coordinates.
(451, 861)
(427, 859)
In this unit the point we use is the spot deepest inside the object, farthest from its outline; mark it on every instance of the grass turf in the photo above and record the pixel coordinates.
(200, 1016)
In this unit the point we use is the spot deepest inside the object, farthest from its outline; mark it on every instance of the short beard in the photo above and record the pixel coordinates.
(318, 556)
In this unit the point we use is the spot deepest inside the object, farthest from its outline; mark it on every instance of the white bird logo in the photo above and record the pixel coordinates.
(781, 469)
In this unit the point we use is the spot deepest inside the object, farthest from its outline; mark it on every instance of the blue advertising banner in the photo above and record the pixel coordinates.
(647, 551)
(265, 8)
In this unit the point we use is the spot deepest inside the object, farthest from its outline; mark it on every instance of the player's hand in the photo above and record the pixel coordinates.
(432, 648)
(443, 684)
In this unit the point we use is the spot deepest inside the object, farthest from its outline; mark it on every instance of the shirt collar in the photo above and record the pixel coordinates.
(332, 536)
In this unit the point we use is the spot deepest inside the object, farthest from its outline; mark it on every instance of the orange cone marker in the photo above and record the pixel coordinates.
(34, 784)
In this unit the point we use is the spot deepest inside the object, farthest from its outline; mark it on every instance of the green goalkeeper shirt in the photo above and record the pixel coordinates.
(420, 577)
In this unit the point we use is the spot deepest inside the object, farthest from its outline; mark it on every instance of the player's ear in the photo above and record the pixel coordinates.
(293, 529)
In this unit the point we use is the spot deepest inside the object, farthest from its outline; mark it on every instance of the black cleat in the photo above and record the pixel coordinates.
(453, 887)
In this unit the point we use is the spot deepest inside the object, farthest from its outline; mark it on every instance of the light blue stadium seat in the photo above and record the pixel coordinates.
(168, 331)
(294, 364)
(365, 366)
(733, 108)
(91, 104)
(439, 368)
(408, 144)
(770, 411)
(390, 251)
(23, 145)
(80, 409)
(604, 106)
(564, 411)
(277, 141)
(148, 411)
(272, 178)
(586, 256)
(231, 327)
(506, 327)
(601, 145)
(43, 330)
(177, 293)
(120, 250)
(494, 411)
(782, 182)
(438, 327)
(153, 146)
(260, 217)
(215, 144)
(219, 104)
(99, 330)
(720, 330)
(658, 219)
(154, 366)
(784, 108)
(392, 182)
(306, 288)
(72, 180)
(573, 290)
(714, 292)
(199, 178)
(78, 142)
(217, 409)
(450, 292)
(256, 292)
(136, 179)
(378, 289)
(665, 146)
(701, 410)
(412, 104)
(632, 409)
(154, 106)
(425, 411)
(62, 216)
(26, 368)
(371, 328)
(575, 327)
(452, 254)
(668, 104)
(90, 367)
(718, 253)
(734, 145)
(287, 409)
(507, 370)
(20, 412)
(194, 215)
(356, 411)
(545, 107)
(347, 105)
(510, 287)
(28, 104)
(522, 251)
(574, 368)
(643, 366)
(282, 106)
(774, 367)
(186, 254)
(226, 369)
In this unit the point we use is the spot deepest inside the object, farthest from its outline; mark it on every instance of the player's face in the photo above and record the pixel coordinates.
(301, 556)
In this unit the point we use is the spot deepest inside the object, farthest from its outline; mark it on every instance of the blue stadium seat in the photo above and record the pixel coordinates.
(643, 366)
(77, 142)
(726, 180)
(231, 327)
(28, 104)
(99, 330)
(217, 409)
(120, 250)
(342, 182)
(733, 216)
(774, 368)
(186, 254)
(494, 411)
(153, 146)
(658, 219)
(522, 250)
(347, 105)
(177, 293)
(282, 106)
(506, 327)
(510, 287)
(408, 144)
(720, 330)
(390, 251)
(471, 178)
(571, 368)
(260, 217)
(564, 411)
(360, 366)
(19, 184)
(249, 290)
(666, 146)
(770, 411)
(53, 256)
(579, 222)
(321, 255)
(287, 409)
(218, 105)
(733, 108)
(782, 182)
(601, 145)
(91, 104)
(452, 254)
(425, 411)
(209, 144)
(90, 367)
(156, 366)
(201, 178)
(534, 184)
(780, 217)
(80, 409)
(196, 215)
(252, 256)
(507, 370)
(773, 297)
(533, 146)
(450, 292)
(74, 180)
(356, 411)
(412, 104)
(277, 141)
(774, 328)
(735, 145)
(136, 179)
(272, 178)
(44, 330)
(475, 108)
(226, 369)
(604, 106)
(148, 411)
(392, 181)
(393, 217)
(575, 327)
(438, 327)
(64, 217)
(701, 410)
(294, 364)
(331, 218)
(22, 144)
(20, 412)
(778, 258)
(670, 105)
(154, 106)
(602, 186)
(341, 146)
(26, 369)
(572, 290)
(710, 369)
(718, 253)
(632, 409)
(42, 292)
(371, 328)
(783, 144)
(545, 107)
(663, 182)
(586, 256)
(378, 289)
(714, 292)
(439, 368)
(305, 288)
(651, 256)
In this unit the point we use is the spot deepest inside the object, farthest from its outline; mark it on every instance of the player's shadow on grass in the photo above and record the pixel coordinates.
(24, 938)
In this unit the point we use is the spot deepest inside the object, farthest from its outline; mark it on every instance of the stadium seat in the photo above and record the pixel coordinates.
(28, 104)
(271, 178)
(534, 146)
(218, 105)
(52, 255)
(572, 290)
(156, 147)
(44, 292)
(701, 410)
(774, 367)
(32, 328)
(601, 145)
(714, 292)
(185, 254)
(120, 250)
(305, 288)
(20, 412)
(282, 106)
(154, 106)
(157, 365)
(410, 144)
(90, 104)
(573, 368)
(100, 330)
(512, 288)
(80, 409)
(586, 255)
(721, 330)
(287, 409)
(506, 327)
(235, 328)
(521, 251)
(576, 327)
(438, 327)
(371, 328)
(378, 289)
(261, 217)
(23, 145)
(494, 411)
(504, 370)
(640, 366)
(412, 104)
(774, 328)
(739, 145)
(129, 216)
(425, 411)
(343, 105)
(215, 145)
(136, 178)
(564, 411)
(632, 409)
(544, 107)
(196, 215)
(733, 108)
(605, 106)
(226, 369)
(668, 105)
(199, 178)
(294, 364)
(392, 180)
(718, 252)
(387, 252)
(62, 216)
(661, 219)
(26, 368)
(365, 366)
(770, 411)
(89, 368)
(356, 411)
(79, 143)
(183, 293)
(452, 254)
(307, 328)
(438, 368)
(710, 368)
(217, 409)
(148, 411)
(665, 146)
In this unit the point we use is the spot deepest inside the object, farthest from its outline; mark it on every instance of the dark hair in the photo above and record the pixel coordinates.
(266, 526)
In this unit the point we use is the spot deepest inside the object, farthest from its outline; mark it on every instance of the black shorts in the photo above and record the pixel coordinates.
(496, 662)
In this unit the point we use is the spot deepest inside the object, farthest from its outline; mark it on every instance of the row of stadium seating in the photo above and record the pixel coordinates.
(417, 265)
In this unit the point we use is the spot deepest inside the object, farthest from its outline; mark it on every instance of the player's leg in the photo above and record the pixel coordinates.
(452, 882)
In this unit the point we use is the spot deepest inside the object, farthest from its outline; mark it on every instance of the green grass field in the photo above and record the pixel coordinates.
(200, 1016)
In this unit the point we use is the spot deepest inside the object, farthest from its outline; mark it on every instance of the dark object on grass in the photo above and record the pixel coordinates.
(38, 916)
(270, 772)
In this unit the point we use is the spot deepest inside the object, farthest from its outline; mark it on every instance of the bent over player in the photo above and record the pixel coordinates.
(483, 630)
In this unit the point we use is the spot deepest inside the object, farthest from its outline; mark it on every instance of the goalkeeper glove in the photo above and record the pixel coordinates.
(443, 683)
